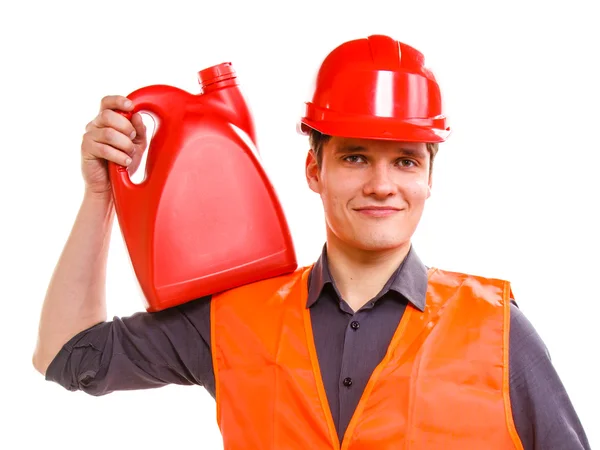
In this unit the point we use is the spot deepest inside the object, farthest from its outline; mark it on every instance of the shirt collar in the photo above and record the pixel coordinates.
(409, 280)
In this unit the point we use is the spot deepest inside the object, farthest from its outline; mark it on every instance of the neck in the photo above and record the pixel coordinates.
(361, 274)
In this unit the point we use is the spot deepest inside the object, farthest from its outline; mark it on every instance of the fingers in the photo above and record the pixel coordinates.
(116, 102)
(113, 138)
(139, 128)
(111, 119)
(97, 150)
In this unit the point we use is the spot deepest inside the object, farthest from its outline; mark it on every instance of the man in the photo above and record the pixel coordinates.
(365, 349)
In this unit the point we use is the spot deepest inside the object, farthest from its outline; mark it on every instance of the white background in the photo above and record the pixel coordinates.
(515, 188)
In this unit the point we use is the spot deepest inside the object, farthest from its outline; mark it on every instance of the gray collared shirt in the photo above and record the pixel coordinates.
(149, 350)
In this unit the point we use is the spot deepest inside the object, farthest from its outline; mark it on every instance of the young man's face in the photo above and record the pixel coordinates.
(373, 191)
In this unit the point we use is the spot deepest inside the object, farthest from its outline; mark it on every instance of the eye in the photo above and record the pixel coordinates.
(353, 158)
(406, 163)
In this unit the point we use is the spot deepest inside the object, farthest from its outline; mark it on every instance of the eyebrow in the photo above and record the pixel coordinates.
(405, 151)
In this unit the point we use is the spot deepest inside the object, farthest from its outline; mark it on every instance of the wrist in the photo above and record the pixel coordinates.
(98, 198)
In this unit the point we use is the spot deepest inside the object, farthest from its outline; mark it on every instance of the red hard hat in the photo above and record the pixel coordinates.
(376, 88)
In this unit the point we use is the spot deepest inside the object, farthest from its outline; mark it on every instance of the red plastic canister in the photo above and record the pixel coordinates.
(206, 217)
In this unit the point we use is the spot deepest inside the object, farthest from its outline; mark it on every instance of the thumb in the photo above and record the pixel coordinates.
(140, 130)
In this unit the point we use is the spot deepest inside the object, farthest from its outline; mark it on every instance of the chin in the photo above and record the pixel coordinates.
(369, 238)
(383, 243)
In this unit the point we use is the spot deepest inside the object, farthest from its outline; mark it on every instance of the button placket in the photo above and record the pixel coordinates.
(349, 355)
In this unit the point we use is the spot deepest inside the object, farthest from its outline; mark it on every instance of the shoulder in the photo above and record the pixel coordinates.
(267, 287)
(462, 276)
(523, 330)
(530, 365)
(527, 349)
(526, 346)
(495, 291)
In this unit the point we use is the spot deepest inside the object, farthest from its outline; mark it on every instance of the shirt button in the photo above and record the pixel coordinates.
(348, 382)
(355, 325)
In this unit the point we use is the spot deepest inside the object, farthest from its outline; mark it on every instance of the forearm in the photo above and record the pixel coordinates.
(75, 299)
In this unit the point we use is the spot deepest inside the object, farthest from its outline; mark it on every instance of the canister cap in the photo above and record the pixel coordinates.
(214, 74)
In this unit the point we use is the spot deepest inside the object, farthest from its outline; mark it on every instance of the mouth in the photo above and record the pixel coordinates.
(378, 211)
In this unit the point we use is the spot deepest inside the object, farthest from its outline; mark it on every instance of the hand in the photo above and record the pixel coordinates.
(111, 137)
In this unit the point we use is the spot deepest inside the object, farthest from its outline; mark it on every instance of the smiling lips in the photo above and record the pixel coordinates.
(377, 211)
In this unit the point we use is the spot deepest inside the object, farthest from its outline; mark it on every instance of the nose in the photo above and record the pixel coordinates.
(380, 182)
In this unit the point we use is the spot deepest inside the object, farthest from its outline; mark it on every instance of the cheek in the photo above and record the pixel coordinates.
(418, 190)
(332, 200)
(335, 190)
(335, 198)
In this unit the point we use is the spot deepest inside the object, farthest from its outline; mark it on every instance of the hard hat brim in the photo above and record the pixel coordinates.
(376, 129)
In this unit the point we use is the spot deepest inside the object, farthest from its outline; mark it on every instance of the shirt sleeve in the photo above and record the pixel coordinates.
(142, 351)
(543, 413)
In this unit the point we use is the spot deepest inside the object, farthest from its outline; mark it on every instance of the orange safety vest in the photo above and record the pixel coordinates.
(443, 383)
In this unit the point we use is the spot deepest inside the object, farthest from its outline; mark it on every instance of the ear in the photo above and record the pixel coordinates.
(429, 184)
(312, 172)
